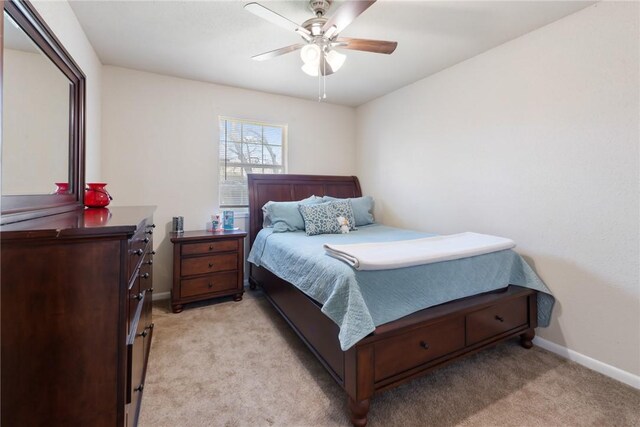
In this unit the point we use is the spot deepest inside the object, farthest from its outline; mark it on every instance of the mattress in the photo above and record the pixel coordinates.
(359, 301)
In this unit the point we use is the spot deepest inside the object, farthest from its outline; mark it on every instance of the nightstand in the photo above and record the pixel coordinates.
(207, 264)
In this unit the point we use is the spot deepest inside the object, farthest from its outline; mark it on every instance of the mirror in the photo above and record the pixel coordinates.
(35, 114)
(43, 113)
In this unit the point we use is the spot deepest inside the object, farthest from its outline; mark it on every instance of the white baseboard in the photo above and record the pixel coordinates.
(163, 295)
(586, 361)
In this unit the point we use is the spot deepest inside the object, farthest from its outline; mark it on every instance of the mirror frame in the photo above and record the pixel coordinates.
(23, 207)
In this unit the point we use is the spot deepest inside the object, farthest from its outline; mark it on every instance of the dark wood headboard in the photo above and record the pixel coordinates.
(284, 188)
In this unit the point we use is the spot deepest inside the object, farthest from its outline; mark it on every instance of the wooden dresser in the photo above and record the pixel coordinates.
(76, 317)
(206, 265)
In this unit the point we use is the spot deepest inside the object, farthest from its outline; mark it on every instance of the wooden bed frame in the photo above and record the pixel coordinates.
(398, 351)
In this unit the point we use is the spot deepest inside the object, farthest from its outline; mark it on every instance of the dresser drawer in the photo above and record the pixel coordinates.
(495, 320)
(209, 264)
(208, 284)
(210, 247)
(406, 351)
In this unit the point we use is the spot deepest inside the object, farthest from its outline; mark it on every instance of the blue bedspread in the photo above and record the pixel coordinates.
(358, 301)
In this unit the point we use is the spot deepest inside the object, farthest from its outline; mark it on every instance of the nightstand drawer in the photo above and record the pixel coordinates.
(209, 264)
(495, 320)
(209, 247)
(209, 284)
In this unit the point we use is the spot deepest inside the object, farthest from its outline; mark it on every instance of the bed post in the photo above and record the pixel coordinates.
(358, 382)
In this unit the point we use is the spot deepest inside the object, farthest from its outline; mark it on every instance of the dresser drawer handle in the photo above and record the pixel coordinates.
(149, 262)
(210, 247)
(500, 318)
(146, 240)
(149, 232)
(152, 252)
(210, 264)
(138, 252)
(138, 296)
(143, 333)
(139, 388)
(424, 345)
(144, 276)
(150, 326)
(210, 285)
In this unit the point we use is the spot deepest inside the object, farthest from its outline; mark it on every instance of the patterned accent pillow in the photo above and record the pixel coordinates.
(323, 218)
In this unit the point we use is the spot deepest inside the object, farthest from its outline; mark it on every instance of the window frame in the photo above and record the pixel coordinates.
(285, 136)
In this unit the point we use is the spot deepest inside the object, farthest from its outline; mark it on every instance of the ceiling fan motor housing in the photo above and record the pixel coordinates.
(319, 7)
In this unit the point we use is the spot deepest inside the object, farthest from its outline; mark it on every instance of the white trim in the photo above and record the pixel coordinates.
(593, 364)
(160, 296)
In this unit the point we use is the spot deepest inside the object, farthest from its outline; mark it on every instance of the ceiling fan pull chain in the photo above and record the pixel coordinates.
(324, 78)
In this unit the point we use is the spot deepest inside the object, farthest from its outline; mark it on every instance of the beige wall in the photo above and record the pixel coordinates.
(160, 144)
(60, 18)
(536, 140)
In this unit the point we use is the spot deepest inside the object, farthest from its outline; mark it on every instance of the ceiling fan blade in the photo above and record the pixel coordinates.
(376, 46)
(346, 14)
(277, 52)
(275, 18)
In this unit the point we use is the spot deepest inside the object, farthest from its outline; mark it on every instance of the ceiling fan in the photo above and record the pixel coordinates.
(321, 35)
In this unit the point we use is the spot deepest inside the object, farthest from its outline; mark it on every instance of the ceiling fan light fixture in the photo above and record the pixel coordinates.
(335, 59)
(310, 54)
(311, 69)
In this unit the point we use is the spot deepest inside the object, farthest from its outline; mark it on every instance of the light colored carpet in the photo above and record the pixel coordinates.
(239, 364)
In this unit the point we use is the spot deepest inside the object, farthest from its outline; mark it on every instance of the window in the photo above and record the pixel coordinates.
(247, 147)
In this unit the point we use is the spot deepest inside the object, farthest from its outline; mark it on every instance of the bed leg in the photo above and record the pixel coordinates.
(526, 338)
(252, 284)
(358, 412)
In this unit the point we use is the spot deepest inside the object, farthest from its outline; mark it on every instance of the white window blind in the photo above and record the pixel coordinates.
(247, 147)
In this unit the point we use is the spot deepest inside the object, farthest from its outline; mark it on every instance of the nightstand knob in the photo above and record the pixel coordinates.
(139, 388)
(424, 345)
(210, 264)
(210, 285)
(210, 247)
(500, 318)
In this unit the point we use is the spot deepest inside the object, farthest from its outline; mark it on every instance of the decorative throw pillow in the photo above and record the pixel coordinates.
(362, 208)
(285, 216)
(323, 218)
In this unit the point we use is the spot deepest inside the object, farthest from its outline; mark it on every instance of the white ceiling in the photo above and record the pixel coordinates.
(213, 41)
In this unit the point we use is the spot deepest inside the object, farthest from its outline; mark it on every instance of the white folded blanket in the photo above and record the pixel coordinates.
(407, 253)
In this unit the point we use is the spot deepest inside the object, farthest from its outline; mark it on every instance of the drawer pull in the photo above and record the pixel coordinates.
(138, 252)
(138, 296)
(424, 345)
(210, 264)
(139, 388)
(500, 318)
(143, 333)
(144, 276)
(152, 252)
(151, 226)
(210, 285)
(146, 240)
(150, 326)
(149, 262)
(150, 290)
(210, 247)
(149, 232)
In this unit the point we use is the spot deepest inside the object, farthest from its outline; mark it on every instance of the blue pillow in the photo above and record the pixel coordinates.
(323, 218)
(285, 216)
(362, 208)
